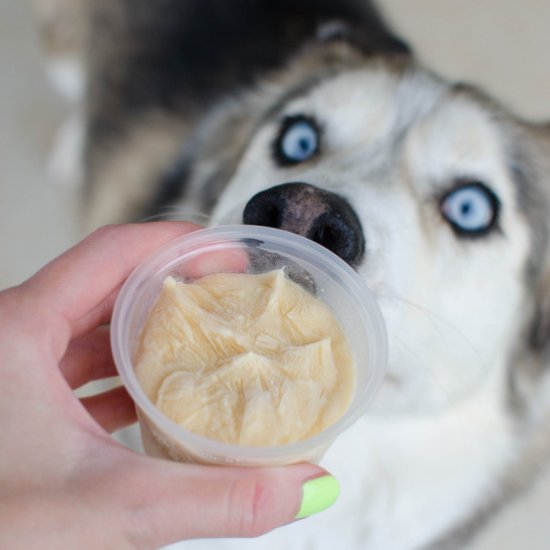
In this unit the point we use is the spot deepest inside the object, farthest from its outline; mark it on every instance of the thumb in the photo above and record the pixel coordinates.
(172, 502)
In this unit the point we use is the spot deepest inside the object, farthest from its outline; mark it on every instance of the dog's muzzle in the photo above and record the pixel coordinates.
(319, 215)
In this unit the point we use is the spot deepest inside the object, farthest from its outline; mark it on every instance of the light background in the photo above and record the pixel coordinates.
(501, 45)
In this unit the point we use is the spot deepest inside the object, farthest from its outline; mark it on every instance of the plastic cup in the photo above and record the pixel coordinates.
(250, 249)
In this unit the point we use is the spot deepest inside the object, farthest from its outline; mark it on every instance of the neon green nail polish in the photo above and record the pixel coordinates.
(318, 494)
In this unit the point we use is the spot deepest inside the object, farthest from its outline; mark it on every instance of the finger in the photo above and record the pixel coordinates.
(88, 358)
(99, 315)
(112, 410)
(171, 502)
(74, 284)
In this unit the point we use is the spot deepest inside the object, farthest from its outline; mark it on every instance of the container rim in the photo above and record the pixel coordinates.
(286, 243)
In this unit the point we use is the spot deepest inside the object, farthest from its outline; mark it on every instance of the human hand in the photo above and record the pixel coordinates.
(64, 481)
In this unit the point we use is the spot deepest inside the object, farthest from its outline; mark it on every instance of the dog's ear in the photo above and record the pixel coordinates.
(531, 169)
(540, 327)
(359, 24)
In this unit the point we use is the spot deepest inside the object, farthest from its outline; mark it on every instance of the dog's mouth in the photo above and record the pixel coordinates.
(392, 380)
(261, 261)
(324, 217)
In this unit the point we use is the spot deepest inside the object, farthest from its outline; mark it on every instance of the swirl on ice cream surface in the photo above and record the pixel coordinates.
(247, 359)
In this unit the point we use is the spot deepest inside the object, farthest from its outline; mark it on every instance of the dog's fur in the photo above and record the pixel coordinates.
(184, 103)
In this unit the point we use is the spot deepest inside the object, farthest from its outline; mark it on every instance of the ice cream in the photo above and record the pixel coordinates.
(247, 359)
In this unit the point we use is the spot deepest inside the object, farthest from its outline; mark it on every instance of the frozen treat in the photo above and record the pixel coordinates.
(248, 359)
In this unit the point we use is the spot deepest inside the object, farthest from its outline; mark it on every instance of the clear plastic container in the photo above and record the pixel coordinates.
(249, 249)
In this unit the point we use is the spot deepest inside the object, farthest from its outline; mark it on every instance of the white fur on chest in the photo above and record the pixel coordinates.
(404, 482)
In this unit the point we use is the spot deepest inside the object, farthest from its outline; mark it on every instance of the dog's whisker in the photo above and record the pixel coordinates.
(408, 352)
(187, 214)
(437, 322)
(177, 212)
(161, 211)
(446, 336)
(154, 218)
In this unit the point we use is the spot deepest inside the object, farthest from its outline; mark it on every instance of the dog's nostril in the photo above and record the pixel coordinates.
(271, 216)
(263, 209)
(328, 237)
(339, 236)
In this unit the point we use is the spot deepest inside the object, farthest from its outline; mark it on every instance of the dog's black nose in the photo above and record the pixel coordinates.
(321, 216)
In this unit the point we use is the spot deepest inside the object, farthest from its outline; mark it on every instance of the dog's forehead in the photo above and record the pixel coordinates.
(373, 101)
(459, 139)
(439, 130)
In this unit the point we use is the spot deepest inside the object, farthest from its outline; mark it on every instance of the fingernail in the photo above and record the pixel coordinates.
(317, 495)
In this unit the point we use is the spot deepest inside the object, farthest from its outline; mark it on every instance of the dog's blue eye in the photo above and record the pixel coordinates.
(298, 140)
(471, 209)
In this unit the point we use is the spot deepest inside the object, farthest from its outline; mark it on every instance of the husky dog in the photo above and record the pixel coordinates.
(311, 116)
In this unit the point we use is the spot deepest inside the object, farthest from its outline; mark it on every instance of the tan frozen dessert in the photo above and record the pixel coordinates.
(253, 360)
